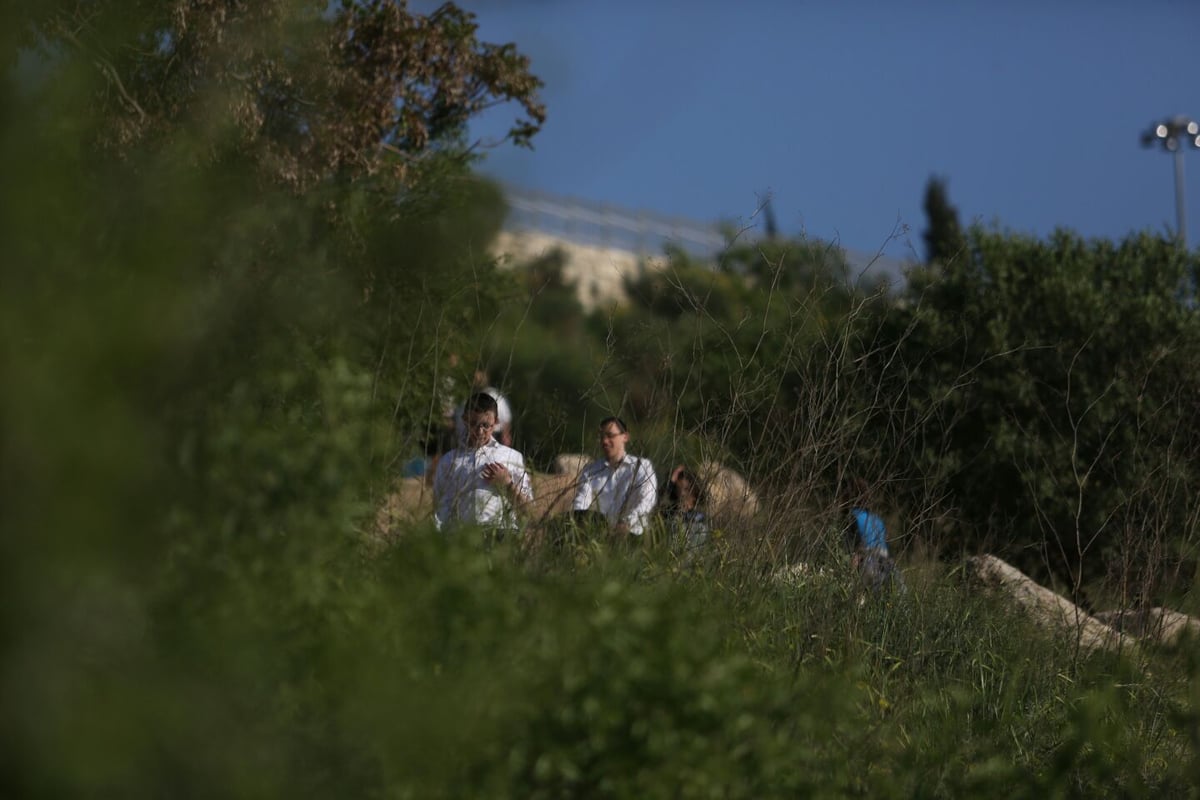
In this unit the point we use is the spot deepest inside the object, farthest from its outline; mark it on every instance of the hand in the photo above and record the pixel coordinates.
(497, 475)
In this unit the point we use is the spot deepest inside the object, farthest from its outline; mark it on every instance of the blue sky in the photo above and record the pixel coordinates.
(1032, 111)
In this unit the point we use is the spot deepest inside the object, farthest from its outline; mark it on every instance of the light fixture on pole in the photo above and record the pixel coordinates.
(1175, 135)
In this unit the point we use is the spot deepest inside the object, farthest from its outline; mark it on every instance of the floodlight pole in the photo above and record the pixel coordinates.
(1180, 210)
(1175, 135)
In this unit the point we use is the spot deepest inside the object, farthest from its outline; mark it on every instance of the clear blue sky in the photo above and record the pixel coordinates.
(842, 110)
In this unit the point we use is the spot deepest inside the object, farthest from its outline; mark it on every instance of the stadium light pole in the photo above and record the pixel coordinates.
(1175, 135)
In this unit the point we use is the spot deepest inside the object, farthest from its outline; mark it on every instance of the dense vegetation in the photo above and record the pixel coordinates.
(229, 305)
(1032, 398)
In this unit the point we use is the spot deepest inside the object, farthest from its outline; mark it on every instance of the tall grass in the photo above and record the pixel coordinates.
(447, 668)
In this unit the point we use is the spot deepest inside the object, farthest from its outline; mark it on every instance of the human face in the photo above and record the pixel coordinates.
(480, 425)
(612, 442)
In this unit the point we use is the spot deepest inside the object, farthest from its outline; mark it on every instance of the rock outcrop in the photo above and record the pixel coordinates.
(1158, 625)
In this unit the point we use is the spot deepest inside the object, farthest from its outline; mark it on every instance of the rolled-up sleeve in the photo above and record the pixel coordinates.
(585, 492)
(521, 481)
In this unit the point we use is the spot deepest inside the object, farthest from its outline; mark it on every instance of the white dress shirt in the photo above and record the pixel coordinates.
(625, 493)
(461, 494)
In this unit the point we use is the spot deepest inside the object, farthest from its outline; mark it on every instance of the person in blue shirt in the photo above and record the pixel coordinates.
(866, 536)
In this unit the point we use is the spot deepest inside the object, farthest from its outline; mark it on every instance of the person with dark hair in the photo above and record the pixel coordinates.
(481, 481)
(683, 511)
(866, 537)
(504, 415)
(622, 486)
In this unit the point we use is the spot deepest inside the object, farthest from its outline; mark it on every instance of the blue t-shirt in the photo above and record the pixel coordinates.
(871, 531)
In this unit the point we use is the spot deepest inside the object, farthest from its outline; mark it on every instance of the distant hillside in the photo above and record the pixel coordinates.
(605, 244)
(598, 272)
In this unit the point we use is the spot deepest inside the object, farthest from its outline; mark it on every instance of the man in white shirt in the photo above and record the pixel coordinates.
(622, 486)
(481, 481)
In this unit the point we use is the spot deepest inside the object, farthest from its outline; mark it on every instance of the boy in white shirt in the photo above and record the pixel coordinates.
(480, 482)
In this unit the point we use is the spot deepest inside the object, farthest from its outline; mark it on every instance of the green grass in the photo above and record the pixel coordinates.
(449, 669)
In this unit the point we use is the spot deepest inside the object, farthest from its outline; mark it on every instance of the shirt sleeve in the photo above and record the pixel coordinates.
(585, 493)
(643, 494)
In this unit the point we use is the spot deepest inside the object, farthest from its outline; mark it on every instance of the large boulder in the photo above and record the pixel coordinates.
(571, 464)
(552, 494)
(1159, 625)
(410, 500)
(729, 495)
(1046, 608)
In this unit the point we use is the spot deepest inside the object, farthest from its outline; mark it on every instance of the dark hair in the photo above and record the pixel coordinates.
(673, 497)
(481, 403)
(620, 423)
